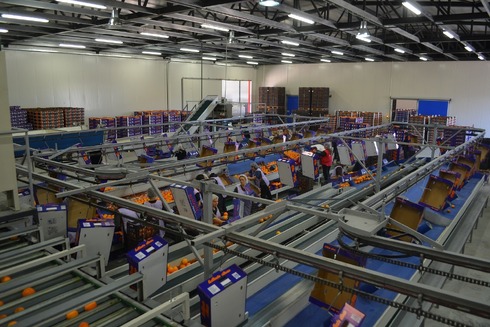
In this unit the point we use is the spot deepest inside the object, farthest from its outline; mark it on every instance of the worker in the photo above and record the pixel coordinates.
(216, 212)
(260, 180)
(197, 192)
(326, 160)
(221, 197)
(244, 188)
(338, 171)
(155, 202)
(179, 152)
(286, 136)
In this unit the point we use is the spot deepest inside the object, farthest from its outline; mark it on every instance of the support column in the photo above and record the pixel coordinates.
(7, 161)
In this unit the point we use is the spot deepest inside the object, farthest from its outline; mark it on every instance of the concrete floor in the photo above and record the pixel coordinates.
(478, 247)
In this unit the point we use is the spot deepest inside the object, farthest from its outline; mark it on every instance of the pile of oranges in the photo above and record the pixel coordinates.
(360, 179)
(261, 220)
(168, 196)
(292, 154)
(344, 184)
(107, 216)
(183, 263)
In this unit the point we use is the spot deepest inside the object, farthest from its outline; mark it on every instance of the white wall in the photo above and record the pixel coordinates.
(110, 86)
(369, 86)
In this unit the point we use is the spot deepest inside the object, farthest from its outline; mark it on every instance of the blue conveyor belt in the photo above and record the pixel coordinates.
(316, 316)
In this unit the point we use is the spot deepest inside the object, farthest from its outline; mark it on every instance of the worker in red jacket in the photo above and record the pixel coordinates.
(326, 160)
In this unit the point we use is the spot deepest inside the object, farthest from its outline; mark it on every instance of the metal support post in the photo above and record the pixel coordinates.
(381, 150)
(207, 217)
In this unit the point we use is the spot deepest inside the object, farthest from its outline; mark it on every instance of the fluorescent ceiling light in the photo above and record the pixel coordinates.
(449, 34)
(300, 18)
(338, 53)
(252, 63)
(286, 62)
(399, 50)
(189, 50)
(290, 43)
(209, 58)
(115, 55)
(83, 3)
(28, 18)
(269, 3)
(325, 60)
(153, 53)
(423, 58)
(286, 54)
(214, 27)
(109, 41)
(481, 57)
(245, 56)
(3, 30)
(363, 38)
(42, 50)
(411, 7)
(75, 46)
(369, 59)
(155, 35)
(469, 48)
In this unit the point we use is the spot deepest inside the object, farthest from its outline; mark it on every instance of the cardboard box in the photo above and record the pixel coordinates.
(329, 297)
(408, 213)
(44, 196)
(79, 210)
(462, 169)
(469, 162)
(452, 176)
(436, 193)
(206, 151)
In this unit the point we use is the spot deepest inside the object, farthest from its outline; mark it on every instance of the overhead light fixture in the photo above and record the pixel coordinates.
(269, 3)
(74, 46)
(290, 43)
(365, 39)
(481, 57)
(252, 63)
(26, 18)
(423, 58)
(325, 60)
(286, 54)
(214, 27)
(369, 59)
(209, 58)
(109, 41)
(231, 37)
(153, 53)
(3, 30)
(42, 50)
(189, 50)
(245, 56)
(363, 31)
(337, 53)
(114, 55)
(469, 48)
(155, 35)
(83, 3)
(115, 21)
(410, 6)
(302, 19)
(399, 50)
(286, 62)
(449, 34)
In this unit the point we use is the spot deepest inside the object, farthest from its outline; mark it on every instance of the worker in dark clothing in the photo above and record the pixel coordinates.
(261, 181)
(180, 153)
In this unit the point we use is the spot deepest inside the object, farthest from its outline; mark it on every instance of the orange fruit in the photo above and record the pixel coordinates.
(278, 232)
(13, 322)
(72, 314)
(28, 291)
(1, 303)
(184, 261)
(90, 306)
(84, 324)
(182, 266)
(5, 279)
(19, 309)
(3, 316)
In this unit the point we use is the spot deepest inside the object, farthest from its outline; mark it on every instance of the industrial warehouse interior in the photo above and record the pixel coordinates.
(244, 163)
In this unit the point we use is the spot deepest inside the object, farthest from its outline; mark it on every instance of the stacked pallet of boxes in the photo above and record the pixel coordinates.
(128, 121)
(45, 118)
(18, 118)
(402, 115)
(174, 116)
(151, 117)
(273, 100)
(313, 101)
(441, 132)
(103, 122)
(73, 116)
(417, 131)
